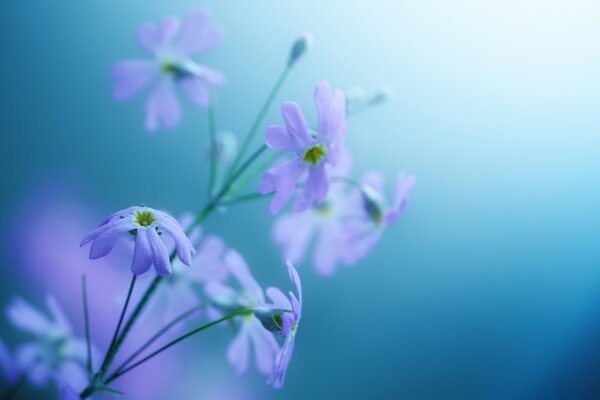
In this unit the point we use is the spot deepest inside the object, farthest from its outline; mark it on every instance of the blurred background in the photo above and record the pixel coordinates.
(487, 287)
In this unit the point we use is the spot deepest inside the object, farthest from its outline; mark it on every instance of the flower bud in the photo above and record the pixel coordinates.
(299, 48)
(382, 95)
(275, 320)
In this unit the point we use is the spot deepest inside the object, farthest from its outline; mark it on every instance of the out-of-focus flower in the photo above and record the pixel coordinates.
(322, 223)
(363, 228)
(68, 393)
(314, 151)
(172, 44)
(226, 147)
(284, 324)
(251, 332)
(300, 46)
(147, 225)
(10, 369)
(55, 353)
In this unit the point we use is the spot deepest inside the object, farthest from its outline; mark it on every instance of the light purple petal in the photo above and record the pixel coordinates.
(73, 374)
(296, 124)
(360, 238)
(327, 249)
(196, 36)
(331, 107)
(131, 76)
(404, 186)
(211, 76)
(142, 254)
(162, 107)
(281, 179)
(293, 232)
(26, 356)
(182, 244)
(196, 90)
(154, 37)
(277, 377)
(315, 189)
(239, 351)
(219, 292)
(25, 317)
(160, 254)
(93, 235)
(58, 316)
(278, 299)
(238, 267)
(295, 278)
(265, 347)
(208, 265)
(374, 180)
(68, 393)
(106, 241)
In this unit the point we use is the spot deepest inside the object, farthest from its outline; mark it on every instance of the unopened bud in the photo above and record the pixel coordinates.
(299, 47)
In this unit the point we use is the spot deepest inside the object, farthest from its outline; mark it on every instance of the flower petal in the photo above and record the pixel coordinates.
(265, 347)
(153, 37)
(238, 351)
(160, 254)
(277, 377)
(131, 76)
(58, 316)
(93, 235)
(211, 76)
(315, 189)
(196, 36)
(196, 90)
(278, 298)
(327, 249)
(404, 186)
(296, 124)
(279, 138)
(25, 317)
(331, 107)
(281, 179)
(106, 241)
(295, 278)
(183, 245)
(162, 107)
(293, 232)
(240, 270)
(142, 253)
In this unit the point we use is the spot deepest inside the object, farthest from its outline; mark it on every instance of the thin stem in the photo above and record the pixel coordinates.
(14, 389)
(174, 342)
(115, 343)
(86, 318)
(259, 118)
(243, 199)
(161, 332)
(212, 153)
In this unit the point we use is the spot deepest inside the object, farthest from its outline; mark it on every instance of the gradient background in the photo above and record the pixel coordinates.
(487, 288)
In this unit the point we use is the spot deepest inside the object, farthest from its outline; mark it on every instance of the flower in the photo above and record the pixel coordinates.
(371, 214)
(322, 223)
(251, 332)
(313, 151)
(54, 354)
(146, 225)
(172, 45)
(286, 325)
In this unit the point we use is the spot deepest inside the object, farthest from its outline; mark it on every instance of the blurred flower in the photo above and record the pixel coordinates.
(288, 326)
(295, 231)
(300, 46)
(251, 332)
(10, 369)
(146, 225)
(226, 148)
(68, 393)
(55, 354)
(172, 45)
(313, 151)
(363, 228)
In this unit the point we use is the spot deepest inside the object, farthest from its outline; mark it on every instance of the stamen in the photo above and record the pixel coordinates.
(315, 154)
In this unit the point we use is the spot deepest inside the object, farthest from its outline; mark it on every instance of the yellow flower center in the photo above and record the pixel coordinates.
(144, 218)
(315, 154)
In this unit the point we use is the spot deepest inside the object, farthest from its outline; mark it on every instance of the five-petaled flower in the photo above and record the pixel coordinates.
(172, 44)
(148, 226)
(314, 151)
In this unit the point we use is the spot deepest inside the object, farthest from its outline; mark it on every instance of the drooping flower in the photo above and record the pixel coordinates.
(149, 227)
(172, 45)
(251, 333)
(321, 224)
(371, 214)
(55, 353)
(283, 319)
(313, 152)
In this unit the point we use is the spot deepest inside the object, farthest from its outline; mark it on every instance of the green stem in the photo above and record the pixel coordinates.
(174, 342)
(86, 317)
(115, 343)
(212, 153)
(259, 118)
(243, 198)
(160, 333)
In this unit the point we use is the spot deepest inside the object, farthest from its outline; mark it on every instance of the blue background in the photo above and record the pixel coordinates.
(487, 288)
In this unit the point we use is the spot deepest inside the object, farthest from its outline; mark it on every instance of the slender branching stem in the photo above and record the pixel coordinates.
(86, 318)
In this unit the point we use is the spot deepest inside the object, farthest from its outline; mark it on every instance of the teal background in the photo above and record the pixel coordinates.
(487, 288)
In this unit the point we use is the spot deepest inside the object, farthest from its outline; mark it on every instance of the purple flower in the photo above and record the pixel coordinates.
(313, 151)
(171, 44)
(371, 214)
(251, 332)
(54, 354)
(321, 224)
(147, 226)
(286, 325)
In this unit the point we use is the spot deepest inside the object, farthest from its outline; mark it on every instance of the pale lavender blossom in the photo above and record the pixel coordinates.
(371, 214)
(283, 320)
(149, 227)
(172, 44)
(320, 226)
(251, 333)
(54, 353)
(314, 152)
